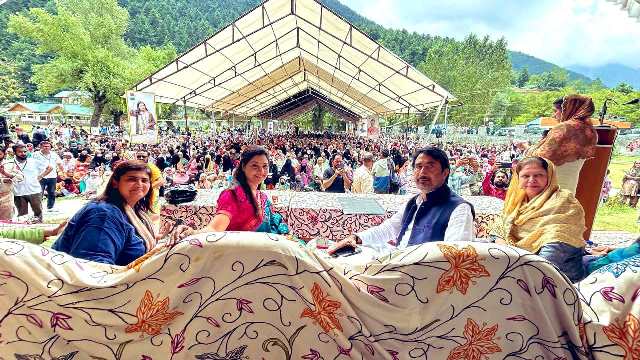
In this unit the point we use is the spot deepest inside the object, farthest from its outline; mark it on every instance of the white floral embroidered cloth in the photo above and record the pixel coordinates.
(260, 296)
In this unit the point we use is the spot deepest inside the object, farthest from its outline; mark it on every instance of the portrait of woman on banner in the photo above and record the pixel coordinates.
(143, 118)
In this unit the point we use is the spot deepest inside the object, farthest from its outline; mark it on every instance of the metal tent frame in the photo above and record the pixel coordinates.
(282, 48)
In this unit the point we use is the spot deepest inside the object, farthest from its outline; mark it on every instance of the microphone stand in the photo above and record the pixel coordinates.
(604, 110)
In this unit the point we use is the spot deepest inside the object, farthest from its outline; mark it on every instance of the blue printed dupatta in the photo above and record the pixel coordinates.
(272, 222)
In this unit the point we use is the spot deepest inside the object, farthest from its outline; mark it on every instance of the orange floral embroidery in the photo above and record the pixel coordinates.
(325, 313)
(626, 334)
(464, 266)
(137, 263)
(152, 315)
(480, 342)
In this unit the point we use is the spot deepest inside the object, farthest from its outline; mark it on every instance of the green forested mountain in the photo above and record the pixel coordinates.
(537, 66)
(19, 53)
(182, 23)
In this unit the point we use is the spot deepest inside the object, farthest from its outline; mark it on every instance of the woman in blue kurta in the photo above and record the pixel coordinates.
(114, 229)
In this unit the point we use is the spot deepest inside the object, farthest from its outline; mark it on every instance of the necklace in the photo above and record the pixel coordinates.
(21, 168)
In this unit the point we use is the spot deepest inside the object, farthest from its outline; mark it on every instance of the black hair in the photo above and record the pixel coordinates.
(505, 172)
(333, 157)
(532, 160)
(112, 195)
(15, 147)
(399, 161)
(435, 153)
(558, 103)
(240, 177)
(287, 170)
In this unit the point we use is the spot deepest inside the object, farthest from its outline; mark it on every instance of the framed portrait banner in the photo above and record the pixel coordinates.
(143, 120)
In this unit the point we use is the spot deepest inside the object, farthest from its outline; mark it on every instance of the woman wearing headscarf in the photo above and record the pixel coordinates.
(305, 171)
(541, 218)
(571, 142)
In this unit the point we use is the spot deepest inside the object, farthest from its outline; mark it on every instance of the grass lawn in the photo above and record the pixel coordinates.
(618, 217)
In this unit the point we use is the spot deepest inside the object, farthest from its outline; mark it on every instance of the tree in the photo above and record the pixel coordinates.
(317, 118)
(474, 71)
(624, 88)
(85, 41)
(553, 80)
(10, 89)
(523, 78)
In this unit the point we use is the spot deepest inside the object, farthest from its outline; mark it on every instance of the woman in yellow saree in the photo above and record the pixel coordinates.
(541, 218)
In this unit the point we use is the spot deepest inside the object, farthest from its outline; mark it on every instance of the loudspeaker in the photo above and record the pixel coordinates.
(4, 130)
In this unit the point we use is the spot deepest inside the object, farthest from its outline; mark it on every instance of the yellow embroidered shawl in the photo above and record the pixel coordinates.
(555, 215)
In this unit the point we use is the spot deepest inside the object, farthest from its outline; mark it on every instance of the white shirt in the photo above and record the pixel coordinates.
(30, 170)
(381, 167)
(45, 160)
(69, 164)
(459, 228)
(93, 184)
(362, 181)
(318, 170)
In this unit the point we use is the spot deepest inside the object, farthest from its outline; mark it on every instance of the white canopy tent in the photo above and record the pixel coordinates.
(285, 47)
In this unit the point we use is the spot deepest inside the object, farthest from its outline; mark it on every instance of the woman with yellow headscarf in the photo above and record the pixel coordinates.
(571, 142)
(541, 218)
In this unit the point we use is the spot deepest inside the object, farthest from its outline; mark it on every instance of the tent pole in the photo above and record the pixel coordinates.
(186, 117)
(446, 128)
(435, 118)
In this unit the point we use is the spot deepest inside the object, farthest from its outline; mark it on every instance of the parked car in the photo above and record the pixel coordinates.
(533, 130)
(508, 131)
(629, 132)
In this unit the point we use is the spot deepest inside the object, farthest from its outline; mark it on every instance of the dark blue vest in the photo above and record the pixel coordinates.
(432, 216)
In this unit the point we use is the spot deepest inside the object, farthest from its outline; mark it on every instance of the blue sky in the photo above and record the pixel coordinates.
(565, 32)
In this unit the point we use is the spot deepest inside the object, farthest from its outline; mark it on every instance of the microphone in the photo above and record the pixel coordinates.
(632, 102)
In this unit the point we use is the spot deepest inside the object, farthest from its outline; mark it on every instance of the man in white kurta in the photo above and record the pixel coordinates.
(436, 214)
(363, 177)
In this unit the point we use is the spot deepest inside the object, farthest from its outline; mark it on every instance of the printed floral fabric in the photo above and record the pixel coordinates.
(610, 299)
(313, 215)
(260, 296)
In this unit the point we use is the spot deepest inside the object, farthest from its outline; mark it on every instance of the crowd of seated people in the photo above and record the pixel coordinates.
(539, 215)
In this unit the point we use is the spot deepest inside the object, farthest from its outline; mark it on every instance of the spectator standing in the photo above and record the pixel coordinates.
(7, 179)
(52, 163)
(22, 136)
(382, 171)
(362, 177)
(496, 183)
(29, 190)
